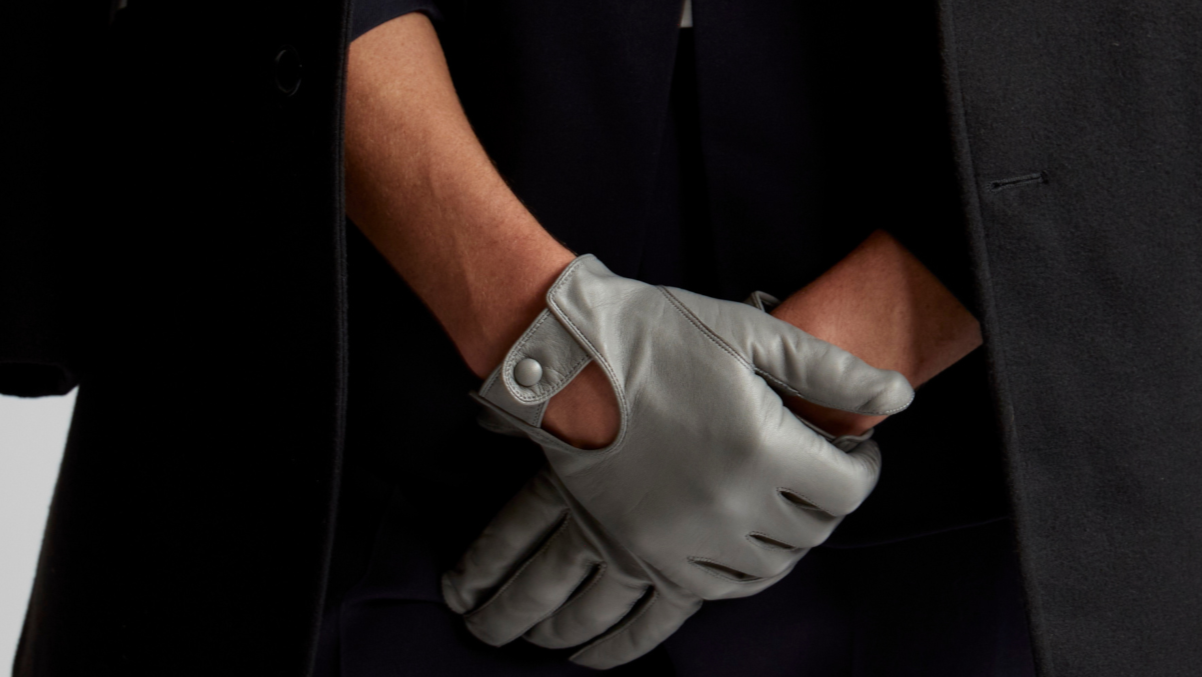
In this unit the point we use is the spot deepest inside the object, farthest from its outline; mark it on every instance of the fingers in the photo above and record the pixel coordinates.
(814, 484)
(598, 606)
(652, 620)
(857, 472)
(540, 586)
(553, 584)
(509, 540)
(797, 363)
(810, 469)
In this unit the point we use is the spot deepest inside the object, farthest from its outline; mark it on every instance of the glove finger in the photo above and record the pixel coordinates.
(811, 471)
(798, 363)
(600, 604)
(542, 584)
(510, 539)
(651, 621)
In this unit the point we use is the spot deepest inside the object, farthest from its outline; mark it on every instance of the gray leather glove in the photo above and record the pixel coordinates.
(712, 488)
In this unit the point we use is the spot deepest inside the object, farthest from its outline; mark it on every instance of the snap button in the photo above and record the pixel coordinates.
(528, 372)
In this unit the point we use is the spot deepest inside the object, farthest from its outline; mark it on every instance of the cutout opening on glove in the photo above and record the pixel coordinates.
(770, 542)
(585, 412)
(723, 571)
(801, 501)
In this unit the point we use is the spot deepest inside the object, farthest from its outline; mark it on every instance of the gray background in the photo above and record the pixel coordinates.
(32, 434)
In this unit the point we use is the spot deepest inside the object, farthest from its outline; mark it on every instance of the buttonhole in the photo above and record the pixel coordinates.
(1016, 181)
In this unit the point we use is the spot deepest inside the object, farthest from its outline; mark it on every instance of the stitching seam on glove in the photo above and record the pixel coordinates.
(709, 333)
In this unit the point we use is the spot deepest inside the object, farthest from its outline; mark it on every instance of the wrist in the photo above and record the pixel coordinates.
(833, 421)
(501, 303)
(883, 306)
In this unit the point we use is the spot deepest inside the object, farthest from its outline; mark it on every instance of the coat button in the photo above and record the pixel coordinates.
(287, 70)
(528, 372)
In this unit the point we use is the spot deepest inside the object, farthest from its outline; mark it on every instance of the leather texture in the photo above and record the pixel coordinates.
(712, 489)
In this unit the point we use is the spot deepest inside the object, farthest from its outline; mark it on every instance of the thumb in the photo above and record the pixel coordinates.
(796, 363)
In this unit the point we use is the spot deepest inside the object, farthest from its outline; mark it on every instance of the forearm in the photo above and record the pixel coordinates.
(423, 190)
(420, 186)
(882, 305)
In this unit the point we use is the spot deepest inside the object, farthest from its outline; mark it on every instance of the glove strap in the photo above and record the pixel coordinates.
(539, 365)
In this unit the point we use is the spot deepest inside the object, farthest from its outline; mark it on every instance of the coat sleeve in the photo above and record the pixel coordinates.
(944, 251)
(50, 58)
(37, 346)
(367, 14)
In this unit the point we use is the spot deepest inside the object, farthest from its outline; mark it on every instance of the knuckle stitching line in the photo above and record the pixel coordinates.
(706, 331)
